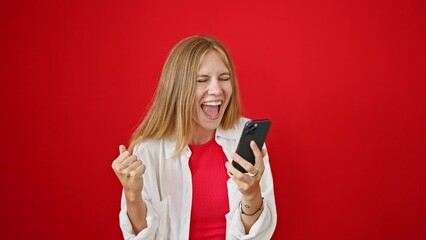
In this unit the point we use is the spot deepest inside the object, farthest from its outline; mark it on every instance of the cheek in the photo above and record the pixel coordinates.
(197, 103)
(198, 95)
(228, 90)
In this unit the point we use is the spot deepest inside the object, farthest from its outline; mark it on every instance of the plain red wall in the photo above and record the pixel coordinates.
(344, 83)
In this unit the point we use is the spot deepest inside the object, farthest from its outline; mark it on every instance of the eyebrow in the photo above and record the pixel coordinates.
(206, 75)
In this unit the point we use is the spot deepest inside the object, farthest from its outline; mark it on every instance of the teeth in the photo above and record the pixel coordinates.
(212, 103)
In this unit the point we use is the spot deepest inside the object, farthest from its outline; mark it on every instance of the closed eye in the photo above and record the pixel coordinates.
(202, 78)
(224, 77)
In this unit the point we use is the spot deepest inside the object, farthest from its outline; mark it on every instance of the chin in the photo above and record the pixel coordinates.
(209, 124)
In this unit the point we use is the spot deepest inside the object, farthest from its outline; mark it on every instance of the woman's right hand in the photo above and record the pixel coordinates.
(129, 171)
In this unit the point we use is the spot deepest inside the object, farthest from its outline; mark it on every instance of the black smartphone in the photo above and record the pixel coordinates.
(256, 130)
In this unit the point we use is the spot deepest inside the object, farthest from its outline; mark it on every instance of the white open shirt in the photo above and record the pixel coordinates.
(168, 192)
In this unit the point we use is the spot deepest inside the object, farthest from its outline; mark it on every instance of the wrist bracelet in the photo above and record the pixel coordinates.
(251, 214)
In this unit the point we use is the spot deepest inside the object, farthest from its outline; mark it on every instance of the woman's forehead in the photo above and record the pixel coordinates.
(212, 62)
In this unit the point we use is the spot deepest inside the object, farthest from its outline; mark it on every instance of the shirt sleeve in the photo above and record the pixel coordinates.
(265, 225)
(126, 225)
(155, 211)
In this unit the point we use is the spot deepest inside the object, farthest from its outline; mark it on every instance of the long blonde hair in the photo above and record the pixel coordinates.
(171, 112)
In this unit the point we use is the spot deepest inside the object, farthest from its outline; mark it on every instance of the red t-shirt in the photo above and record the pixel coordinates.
(209, 191)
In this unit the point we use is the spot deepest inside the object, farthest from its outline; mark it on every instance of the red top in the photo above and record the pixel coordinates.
(209, 191)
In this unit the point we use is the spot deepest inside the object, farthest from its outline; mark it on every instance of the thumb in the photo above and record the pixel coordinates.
(122, 148)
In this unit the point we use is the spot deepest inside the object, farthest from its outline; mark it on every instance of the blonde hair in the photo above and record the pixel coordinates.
(171, 112)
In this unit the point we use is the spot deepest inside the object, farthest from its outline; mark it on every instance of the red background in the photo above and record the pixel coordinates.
(344, 83)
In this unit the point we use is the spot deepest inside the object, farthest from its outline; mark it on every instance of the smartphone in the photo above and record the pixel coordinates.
(256, 130)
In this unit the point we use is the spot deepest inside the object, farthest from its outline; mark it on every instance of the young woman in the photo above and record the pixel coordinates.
(179, 182)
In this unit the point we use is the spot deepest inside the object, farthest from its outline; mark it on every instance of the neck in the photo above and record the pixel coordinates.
(201, 136)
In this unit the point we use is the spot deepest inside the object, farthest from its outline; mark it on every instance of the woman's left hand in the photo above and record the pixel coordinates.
(248, 183)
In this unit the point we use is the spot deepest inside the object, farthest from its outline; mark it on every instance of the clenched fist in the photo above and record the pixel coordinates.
(129, 171)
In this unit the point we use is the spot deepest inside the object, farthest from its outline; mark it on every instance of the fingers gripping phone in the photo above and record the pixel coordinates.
(256, 130)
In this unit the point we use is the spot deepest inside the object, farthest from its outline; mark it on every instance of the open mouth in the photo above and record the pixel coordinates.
(211, 109)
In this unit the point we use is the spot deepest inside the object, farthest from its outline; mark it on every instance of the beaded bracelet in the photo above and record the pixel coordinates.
(251, 214)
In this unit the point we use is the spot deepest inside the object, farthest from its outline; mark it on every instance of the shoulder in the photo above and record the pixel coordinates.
(239, 125)
(154, 149)
(235, 131)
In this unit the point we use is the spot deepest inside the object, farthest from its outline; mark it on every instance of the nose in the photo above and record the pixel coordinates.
(214, 87)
